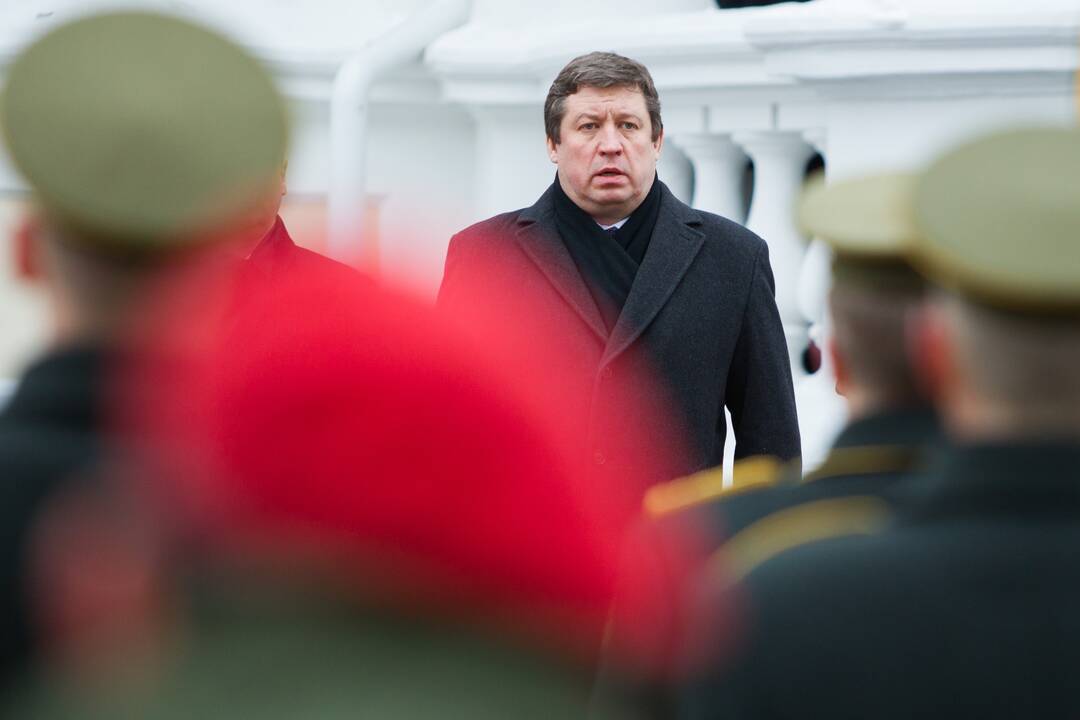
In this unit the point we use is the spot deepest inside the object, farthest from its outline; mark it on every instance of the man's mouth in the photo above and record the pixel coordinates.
(610, 172)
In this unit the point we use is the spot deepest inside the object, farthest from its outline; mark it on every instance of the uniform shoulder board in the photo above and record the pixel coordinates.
(800, 525)
(757, 472)
(867, 460)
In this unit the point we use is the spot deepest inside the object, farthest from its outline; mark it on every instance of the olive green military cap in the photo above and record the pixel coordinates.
(140, 131)
(1000, 218)
(869, 224)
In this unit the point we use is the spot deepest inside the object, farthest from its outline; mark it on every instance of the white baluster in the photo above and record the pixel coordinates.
(512, 166)
(719, 166)
(814, 278)
(676, 171)
(779, 161)
(822, 413)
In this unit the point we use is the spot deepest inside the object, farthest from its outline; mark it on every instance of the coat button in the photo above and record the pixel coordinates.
(598, 458)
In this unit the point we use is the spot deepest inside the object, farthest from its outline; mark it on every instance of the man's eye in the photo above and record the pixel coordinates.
(587, 126)
(629, 125)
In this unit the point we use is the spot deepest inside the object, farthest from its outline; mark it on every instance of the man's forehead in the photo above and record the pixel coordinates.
(616, 95)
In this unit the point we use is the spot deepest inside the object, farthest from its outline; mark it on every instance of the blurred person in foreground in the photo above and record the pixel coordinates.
(631, 283)
(266, 243)
(964, 604)
(365, 514)
(143, 139)
(892, 428)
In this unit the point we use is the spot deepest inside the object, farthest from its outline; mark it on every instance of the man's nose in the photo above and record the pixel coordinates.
(610, 140)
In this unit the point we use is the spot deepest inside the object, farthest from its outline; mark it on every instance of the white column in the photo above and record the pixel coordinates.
(512, 166)
(822, 413)
(814, 279)
(676, 171)
(719, 165)
(779, 161)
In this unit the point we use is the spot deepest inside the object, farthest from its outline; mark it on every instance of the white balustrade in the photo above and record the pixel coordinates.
(676, 171)
(719, 167)
(779, 163)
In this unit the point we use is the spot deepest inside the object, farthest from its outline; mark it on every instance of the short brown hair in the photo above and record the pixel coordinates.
(599, 70)
(869, 327)
(1022, 366)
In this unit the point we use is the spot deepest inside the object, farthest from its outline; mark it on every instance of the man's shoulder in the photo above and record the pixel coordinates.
(309, 259)
(722, 234)
(730, 235)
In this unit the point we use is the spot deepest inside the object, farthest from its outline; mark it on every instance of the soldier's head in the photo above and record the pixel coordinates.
(875, 292)
(141, 137)
(1001, 337)
(602, 119)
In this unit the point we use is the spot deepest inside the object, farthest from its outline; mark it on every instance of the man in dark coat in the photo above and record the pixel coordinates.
(649, 309)
(119, 195)
(964, 605)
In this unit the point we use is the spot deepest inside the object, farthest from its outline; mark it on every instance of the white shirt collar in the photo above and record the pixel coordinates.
(617, 225)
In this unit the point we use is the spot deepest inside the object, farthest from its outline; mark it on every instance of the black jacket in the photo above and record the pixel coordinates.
(701, 318)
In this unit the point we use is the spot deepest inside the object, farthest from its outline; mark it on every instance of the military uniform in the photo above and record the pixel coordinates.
(868, 458)
(139, 137)
(962, 604)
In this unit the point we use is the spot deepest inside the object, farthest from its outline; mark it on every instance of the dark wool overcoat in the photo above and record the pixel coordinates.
(700, 319)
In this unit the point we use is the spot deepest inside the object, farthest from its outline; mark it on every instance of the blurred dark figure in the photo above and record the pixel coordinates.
(965, 604)
(891, 427)
(365, 515)
(142, 138)
(265, 241)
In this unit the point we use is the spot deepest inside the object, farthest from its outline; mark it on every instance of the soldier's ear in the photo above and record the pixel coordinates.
(27, 248)
(840, 368)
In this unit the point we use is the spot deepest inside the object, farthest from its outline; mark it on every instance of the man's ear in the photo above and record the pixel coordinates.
(27, 248)
(840, 368)
(553, 151)
(658, 143)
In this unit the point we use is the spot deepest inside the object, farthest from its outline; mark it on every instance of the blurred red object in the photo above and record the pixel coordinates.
(319, 417)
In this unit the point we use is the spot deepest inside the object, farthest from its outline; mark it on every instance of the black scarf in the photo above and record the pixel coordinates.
(608, 260)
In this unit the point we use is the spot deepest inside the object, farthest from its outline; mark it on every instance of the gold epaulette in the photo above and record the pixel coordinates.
(867, 460)
(800, 525)
(751, 473)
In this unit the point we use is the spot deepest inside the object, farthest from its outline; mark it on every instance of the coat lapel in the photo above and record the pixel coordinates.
(674, 244)
(538, 236)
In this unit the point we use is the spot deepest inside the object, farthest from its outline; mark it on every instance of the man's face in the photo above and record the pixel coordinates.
(606, 156)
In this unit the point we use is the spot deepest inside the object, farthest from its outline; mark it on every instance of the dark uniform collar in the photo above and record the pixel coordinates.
(1021, 480)
(274, 250)
(907, 426)
(64, 386)
(897, 442)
